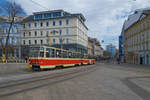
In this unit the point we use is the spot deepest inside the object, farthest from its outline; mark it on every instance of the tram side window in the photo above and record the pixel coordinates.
(58, 53)
(65, 54)
(47, 52)
(74, 55)
(41, 52)
(52, 53)
(78, 55)
(82, 55)
(85, 56)
(70, 55)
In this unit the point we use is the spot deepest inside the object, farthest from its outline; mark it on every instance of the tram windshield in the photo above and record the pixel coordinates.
(34, 51)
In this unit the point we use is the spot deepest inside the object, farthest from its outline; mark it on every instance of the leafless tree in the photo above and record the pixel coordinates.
(12, 10)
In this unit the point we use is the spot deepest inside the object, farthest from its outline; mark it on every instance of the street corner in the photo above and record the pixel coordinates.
(139, 85)
(143, 82)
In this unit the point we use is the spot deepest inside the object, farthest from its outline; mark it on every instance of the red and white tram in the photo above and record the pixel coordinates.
(45, 57)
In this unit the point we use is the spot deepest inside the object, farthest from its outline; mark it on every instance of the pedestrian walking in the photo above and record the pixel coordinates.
(118, 60)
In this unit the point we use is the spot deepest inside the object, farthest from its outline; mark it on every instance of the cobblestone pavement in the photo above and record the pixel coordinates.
(107, 82)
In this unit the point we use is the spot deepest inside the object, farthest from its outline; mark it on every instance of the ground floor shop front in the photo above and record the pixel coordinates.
(138, 57)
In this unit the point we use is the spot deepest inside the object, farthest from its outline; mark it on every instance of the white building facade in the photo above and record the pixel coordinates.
(65, 30)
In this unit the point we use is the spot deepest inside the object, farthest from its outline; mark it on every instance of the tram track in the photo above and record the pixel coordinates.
(19, 86)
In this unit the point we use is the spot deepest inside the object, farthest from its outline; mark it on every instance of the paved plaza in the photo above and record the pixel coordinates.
(107, 82)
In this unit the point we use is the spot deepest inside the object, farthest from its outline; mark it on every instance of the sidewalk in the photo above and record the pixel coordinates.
(131, 67)
(12, 68)
(135, 66)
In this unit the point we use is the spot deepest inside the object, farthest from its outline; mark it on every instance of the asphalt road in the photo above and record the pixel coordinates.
(94, 82)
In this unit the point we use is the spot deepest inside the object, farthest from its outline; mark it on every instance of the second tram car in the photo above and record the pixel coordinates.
(44, 57)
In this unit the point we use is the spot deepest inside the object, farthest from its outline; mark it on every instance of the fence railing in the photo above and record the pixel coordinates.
(13, 60)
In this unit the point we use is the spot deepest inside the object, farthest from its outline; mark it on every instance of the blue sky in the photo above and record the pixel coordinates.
(104, 18)
(2, 2)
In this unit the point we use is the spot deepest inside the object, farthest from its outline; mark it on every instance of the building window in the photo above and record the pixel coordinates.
(53, 32)
(41, 24)
(147, 24)
(24, 42)
(53, 41)
(60, 22)
(24, 26)
(29, 33)
(67, 31)
(53, 23)
(41, 33)
(35, 24)
(147, 45)
(67, 22)
(47, 24)
(35, 41)
(24, 34)
(29, 42)
(60, 41)
(9, 40)
(12, 30)
(29, 25)
(35, 33)
(60, 32)
(67, 40)
(6, 30)
(41, 41)
(4, 40)
(147, 35)
(47, 41)
(47, 33)
(14, 40)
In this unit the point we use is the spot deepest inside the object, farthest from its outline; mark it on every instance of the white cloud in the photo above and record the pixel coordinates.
(104, 17)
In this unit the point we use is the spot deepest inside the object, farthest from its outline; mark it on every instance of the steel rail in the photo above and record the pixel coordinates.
(24, 79)
(34, 79)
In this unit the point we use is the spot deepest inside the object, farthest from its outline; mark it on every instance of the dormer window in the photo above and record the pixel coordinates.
(39, 16)
(47, 15)
(135, 12)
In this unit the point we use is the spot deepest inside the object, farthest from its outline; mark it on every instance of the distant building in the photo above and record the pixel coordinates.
(90, 46)
(112, 49)
(14, 38)
(137, 36)
(94, 47)
(67, 31)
